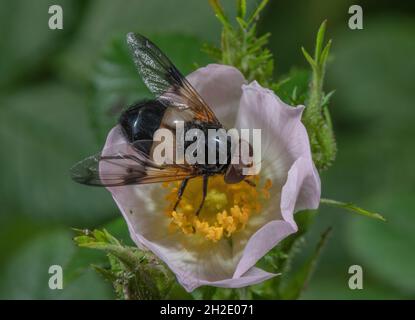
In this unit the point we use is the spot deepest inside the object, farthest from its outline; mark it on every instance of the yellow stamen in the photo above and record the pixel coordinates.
(226, 210)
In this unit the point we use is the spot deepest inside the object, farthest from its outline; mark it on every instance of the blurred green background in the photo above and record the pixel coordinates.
(50, 118)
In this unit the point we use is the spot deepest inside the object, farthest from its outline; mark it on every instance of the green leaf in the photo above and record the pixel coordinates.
(257, 11)
(106, 19)
(293, 288)
(26, 48)
(105, 273)
(241, 9)
(219, 12)
(319, 42)
(102, 240)
(385, 251)
(310, 60)
(25, 274)
(82, 259)
(242, 23)
(327, 97)
(325, 53)
(280, 259)
(293, 87)
(135, 274)
(353, 208)
(45, 131)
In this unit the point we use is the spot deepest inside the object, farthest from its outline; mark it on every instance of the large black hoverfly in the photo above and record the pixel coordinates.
(175, 100)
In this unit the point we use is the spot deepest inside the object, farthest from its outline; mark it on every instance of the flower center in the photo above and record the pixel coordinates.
(226, 209)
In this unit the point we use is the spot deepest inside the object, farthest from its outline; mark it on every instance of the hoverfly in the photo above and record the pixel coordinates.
(176, 99)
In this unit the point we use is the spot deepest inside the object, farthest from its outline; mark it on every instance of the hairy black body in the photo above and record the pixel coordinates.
(175, 100)
(141, 121)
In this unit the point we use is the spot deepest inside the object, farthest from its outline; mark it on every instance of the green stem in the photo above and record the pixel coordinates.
(316, 94)
(317, 120)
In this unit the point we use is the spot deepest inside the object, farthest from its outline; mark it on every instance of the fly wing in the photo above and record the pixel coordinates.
(125, 164)
(165, 81)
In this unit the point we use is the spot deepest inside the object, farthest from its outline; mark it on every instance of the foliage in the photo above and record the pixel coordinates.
(352, 208)
(317, 116)
(242, 48)
(135, 274)
(240, 45)
(45, 98)
(116, 83)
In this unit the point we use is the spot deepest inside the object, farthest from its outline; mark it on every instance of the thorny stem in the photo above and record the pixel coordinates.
(316, 115)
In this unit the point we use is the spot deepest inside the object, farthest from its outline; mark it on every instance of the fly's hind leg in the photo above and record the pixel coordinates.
(205, 186)
(180, 193)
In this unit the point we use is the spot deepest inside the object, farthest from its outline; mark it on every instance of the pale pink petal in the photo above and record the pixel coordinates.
(284, 136)
(185, 271)
(261, 242)
(251, 277)
(301, 191)
(284, 140)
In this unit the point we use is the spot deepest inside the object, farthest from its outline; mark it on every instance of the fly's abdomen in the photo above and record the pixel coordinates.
(140, 122)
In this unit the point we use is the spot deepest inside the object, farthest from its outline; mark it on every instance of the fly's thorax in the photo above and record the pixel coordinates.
(174, 117)
(213, 144)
